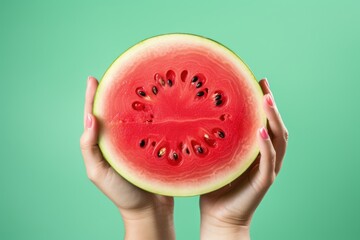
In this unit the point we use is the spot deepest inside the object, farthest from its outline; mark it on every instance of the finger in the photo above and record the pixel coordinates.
(96, 166)
(276, 124)
(268, 157)
(92, 85)
(277, 130)
(265, 87)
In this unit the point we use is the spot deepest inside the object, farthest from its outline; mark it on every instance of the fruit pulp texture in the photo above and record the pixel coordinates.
(185, 119)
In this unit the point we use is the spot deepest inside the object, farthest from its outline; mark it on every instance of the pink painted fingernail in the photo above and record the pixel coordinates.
(269, 100)
(89, 121)
(263, 133)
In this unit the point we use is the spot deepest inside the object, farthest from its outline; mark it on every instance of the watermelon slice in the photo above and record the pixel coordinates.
(178, 115)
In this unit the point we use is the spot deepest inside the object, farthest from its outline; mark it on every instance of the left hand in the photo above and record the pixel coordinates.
(140, 209)
(230, 209)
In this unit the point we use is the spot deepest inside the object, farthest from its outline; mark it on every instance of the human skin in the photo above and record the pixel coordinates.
(145, 215)
(227, 212)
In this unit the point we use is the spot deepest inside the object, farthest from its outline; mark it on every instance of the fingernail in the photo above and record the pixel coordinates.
(269, 100)
(267, 82)
(263, 133)
(88, 79)
(89, 121)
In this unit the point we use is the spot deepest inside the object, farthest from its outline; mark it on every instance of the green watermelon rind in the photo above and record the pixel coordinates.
(171, 191)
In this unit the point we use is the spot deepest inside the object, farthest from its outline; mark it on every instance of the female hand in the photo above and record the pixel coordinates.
(145, 215)
(227, 212)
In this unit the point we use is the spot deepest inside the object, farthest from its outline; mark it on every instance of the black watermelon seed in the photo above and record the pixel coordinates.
(170, 82)
(142, 143)
(142, 93)
(200, 150)
(201, 93)
(221, 134)
(218, 102)
(194, 79)
(175, 156)
(199, 84)
(154, 90)
(217, 97)
(187, 151)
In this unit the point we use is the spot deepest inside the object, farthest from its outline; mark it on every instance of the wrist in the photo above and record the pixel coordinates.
(148, 224)
(212, 228)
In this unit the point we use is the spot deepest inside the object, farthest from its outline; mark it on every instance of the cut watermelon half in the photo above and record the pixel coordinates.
(179, 114)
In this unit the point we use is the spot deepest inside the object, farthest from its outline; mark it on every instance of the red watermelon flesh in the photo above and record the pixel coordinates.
(178, 115)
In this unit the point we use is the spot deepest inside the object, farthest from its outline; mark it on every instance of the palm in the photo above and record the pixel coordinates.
(236, 201)
(125, 195)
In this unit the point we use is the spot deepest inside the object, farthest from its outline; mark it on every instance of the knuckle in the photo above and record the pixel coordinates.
(272, 154)
(83, 141)
(271, 178)
(267, 181)
(93, 174)
(286, 135)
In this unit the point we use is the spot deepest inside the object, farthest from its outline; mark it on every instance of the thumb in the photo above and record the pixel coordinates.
(93, 158)
(90, 136)
(268, 157)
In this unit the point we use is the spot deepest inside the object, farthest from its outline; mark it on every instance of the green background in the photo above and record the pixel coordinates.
(309, 51)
